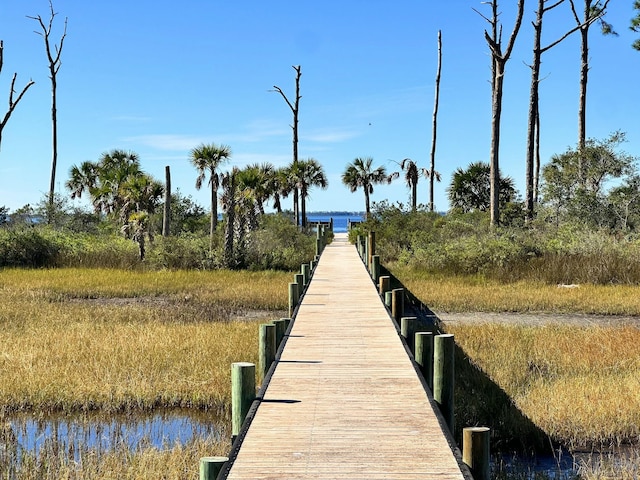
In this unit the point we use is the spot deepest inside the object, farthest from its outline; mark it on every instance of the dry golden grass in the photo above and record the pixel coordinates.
(176, 462)
(579, 385)
(472, 293)
(117, 340)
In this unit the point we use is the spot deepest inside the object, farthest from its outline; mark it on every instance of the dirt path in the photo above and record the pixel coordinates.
(538, 319)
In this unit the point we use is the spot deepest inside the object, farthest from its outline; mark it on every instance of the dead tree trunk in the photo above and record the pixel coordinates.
(166, 217)
(499, 61)
(538, 50)
(12, 90)
(294, 108)
(432, 169)
(53, 56)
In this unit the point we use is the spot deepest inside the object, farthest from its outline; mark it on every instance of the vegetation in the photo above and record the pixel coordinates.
(361, 174)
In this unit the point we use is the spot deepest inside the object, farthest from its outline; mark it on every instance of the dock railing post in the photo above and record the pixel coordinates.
(397, 303)
(299, 278)
(424, 356)
(267, 348)
(475, 451)
(293, 297)
(375, 268)
(385, 285)
(210, 467)
(443, 376)
(372, 247)
(281, 327)
(408, 328)
(243, 393)
(306, 273)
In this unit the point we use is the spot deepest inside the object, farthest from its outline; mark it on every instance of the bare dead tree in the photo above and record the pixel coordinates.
(538, 50)
(593, 10)
(432, 169)
(499, 61)
(53, 56)
(13, 103)
(294, 109)
(166, 214)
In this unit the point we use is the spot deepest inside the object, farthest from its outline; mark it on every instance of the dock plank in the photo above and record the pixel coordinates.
(344, 401)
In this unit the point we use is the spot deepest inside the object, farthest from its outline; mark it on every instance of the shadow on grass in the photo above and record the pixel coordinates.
(478, 400)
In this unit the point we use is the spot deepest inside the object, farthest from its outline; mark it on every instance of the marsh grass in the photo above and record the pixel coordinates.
(581, 386)
(111, 340)
(475, 293)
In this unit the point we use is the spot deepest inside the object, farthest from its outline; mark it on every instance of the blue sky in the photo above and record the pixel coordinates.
(158, 78)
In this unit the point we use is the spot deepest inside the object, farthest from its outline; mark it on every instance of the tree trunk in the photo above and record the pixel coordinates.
(494, 163)
(536, 177)
(230, 223)
(414, 194)
(533, 110)
(432, 170)
(54, 120)
(166, 217)
(303, 208)
(214, 213)
(366, 202)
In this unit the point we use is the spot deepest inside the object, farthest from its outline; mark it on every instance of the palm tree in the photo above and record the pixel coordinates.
(259, 180)
(470, 189)
(228, 202)
(360, 173)
(307, 174)
(281, 187)
(103, 180)
(412, 174)
(207, 158)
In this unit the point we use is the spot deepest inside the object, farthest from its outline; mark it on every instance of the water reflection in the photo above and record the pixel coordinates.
(26, 434)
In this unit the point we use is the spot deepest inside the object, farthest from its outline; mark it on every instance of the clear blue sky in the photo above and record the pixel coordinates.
(159, 78)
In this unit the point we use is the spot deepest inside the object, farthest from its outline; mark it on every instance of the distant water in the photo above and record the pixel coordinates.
(340, 219)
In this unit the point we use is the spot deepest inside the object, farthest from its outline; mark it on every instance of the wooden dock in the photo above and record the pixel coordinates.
(344, 401)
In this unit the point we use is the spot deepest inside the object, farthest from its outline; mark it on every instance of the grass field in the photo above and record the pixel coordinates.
(77, 340)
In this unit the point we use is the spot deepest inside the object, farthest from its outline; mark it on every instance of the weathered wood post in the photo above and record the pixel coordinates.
(281, 327)
(385, 284)
(210, 467)
(312, 265)
(331, 223)
(388, 298)
(367, 245)
(243, 393)
(299, 278)
(306, 273)
(267, 348)
(475, 451)
(443, 376)
(408, 329)
(318, 247)
(372, 247)
(293, 297)
(424, 356)
(375, 268)
(397, 303)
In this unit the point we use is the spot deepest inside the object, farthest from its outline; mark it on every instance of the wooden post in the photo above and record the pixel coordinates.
(293, 297)
(287, 322)
(299, 278)
(312, 265)
(443, 376)
(367, 246)
(318, 246)
(408, 329)
(306, 273)
(372, 247)
(424, 356)
(210, 467)
(375, 268)
(243, 393)
(397, 303)
(331, 224)
(388, 298)
(281, 327)
(267, 348)
(475, 451)
(385, 284)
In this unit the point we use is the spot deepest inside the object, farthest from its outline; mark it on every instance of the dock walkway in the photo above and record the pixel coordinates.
(344, 401)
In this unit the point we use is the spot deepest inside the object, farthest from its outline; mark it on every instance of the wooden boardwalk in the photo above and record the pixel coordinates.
(345, 401)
